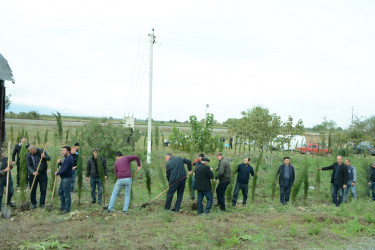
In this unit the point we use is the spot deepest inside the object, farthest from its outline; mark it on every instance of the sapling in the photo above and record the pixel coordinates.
(79, 176)
(256, 177)
(147, 169)
(11, 134)
(38, 137)
(317, 178)
(306, 183)
(101, 175)
(23, 173)
(46, 136)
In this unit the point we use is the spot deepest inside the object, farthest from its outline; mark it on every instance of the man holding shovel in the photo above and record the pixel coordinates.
(65, 172)
(32, 162)
(3, 180)
(124, 179)
(176, 176)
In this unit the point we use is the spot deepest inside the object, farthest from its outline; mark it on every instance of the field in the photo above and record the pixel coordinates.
(263, 224)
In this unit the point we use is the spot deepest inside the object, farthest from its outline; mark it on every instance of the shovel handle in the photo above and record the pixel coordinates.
(158, 196)
(8, 173)
(136, 171)
(54, 185)
(40, 161)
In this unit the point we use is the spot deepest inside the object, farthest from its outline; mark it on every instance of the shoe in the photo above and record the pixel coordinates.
(216, 205)
(93, 202)
(11, 204)
(41, 206)
(33, 206)
(64, 212)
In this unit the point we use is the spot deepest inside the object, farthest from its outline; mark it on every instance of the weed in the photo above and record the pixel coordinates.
(313, 228)
(292, 230)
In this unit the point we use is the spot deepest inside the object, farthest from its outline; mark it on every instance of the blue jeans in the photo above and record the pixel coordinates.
(180, 188)
(337, 189)
(73, 180)
(120, 183)
(193, 187)
(42, 180)
(64, 193)
(220, 193)
(284, 193)
(372, 188)
(244, 188)
(3, 184)
(210, 199)
(95, 181)
(352, 189)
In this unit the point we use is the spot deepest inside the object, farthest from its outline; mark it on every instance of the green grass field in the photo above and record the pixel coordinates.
(263, 224)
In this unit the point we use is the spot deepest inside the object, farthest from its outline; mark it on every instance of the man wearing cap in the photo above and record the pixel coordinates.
(195, 163)
(352, 175)
(244, 170)
(176, 176)
(203, 176)
(371, 179)
(223, 175)
(286, 179)
(4, 168)
(339, 179)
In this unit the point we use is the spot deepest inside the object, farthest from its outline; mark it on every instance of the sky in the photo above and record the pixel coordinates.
(312, 60)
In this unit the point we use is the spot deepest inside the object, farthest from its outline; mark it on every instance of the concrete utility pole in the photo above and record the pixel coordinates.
(152, 41)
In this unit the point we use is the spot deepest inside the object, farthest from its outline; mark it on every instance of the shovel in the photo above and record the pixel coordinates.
(26, 205)
(106, 207)
(5, 211)
(50, 205)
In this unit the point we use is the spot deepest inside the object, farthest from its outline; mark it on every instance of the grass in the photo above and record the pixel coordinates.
(262, 224)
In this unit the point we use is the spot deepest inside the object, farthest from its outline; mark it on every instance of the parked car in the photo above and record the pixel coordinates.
(166, 143)
(312, 148)
(364, 149)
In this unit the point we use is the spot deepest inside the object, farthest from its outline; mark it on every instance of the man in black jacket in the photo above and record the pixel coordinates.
(176, 176)
(16, 152)
(92, 174)
(371, 179)
(242, 183)
(4, 168)
(203, 176)
(339, 179)
(286, 179)
(32, 162)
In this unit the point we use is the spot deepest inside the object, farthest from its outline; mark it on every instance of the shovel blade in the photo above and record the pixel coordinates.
(5, 212)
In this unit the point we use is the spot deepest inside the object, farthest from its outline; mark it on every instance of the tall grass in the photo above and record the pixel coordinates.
(23, 173)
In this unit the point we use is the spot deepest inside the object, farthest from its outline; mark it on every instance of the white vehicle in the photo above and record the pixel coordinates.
(280, 142)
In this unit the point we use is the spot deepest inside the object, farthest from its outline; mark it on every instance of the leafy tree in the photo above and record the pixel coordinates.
(7, 101)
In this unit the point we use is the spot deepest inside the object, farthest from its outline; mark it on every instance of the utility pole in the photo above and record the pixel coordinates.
(149, 127)
(205, 114)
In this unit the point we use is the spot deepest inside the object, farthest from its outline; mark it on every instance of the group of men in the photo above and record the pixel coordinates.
(343, 178)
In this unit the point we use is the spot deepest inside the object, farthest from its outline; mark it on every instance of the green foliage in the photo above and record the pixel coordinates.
(11, 134)
(147, 169)
(255, 179)
(23, 173)
(53, 152)
(156, 136)
(67, 137)
(101, 175)
(313, 228)
(79, 176)
(162, 139)
(317, 178)
(59, 125)
(7, 101)
(292, 230)
(306, 184)
(44, 245)
(46, 136)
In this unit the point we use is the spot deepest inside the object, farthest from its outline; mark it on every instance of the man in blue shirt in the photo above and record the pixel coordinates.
(244, 170)
(352, 176)
(65, 172)
(286, 180)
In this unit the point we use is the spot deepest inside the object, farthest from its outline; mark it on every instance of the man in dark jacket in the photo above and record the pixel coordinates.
(371, 179)
(195, 164)
(339, 179)
(4, 169)
(16, 153)
(92, 174)
(203, 176)
(176, 176)
(74, 154)
(244, 170)
(41, 178)
(65, 172)
(223, 175)
(286, 180)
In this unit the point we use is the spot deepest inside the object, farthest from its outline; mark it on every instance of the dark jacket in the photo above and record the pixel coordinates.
(244, 172)
(343, 175)
(223, 170)
(371, 174)
(75, 159)
(66, 169)
(175, 169)
(3, 165)
(16, 152)
(292, 175)
(92, 167)
(32, 162)
(203, 175)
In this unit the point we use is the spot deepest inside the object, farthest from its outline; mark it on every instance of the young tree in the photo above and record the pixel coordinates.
(59, 125)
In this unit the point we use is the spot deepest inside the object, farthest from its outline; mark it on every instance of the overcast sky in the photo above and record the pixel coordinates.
(308, 59)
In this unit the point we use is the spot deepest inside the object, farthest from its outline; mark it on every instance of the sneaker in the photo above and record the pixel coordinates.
(11, 204)
(93, 202)
(33, 206)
